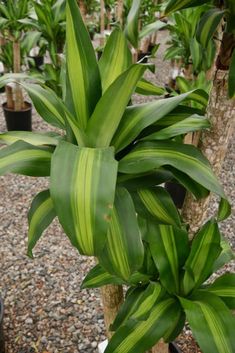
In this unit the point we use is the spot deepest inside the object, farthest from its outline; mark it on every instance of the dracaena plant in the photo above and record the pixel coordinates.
(105, 172)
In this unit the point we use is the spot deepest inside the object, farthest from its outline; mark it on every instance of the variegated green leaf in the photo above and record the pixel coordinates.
(226, 255)
(186, 158)
(196, 53)
(131, 30)
(115, 59)
(138, 336)
(110, 108)
(34, 138)
(83, 182)
(138, 304)
(40, 216)
(52, 109)
(138, 117)
(169, 247)
(193, 123)
(224, 287)
(98, 277)
(231, 78)
(208, 25)
(147, 88)
(175, 5)
(211, 322)
(156, 203)
(83, 78)
(224, 210)
(26, 159)
(205, 250)
(123, 253)
(151, 28)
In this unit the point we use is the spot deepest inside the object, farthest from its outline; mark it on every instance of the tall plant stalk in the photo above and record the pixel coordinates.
(19, 102)
(214, 142)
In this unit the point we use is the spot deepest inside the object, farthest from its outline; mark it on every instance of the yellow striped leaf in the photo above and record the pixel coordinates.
(83, 182)
(115, 59)
(224, 287)
(175, 5)
(98, 277)
(131, 29)
(123, 253)
(186, 158)
(211, 322)
(40, 216)
(110, 108)
(34, 138)
(208, 25)
(83, 79)
(205, 250)
(169, 247)
(26, 159)
(139, 336)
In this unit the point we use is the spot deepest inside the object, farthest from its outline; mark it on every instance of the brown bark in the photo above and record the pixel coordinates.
(109, 18)
(9, 97)
(160, 347)
(83, 9)
(112, 298)
(19, 102)
(120, 12)
(102, 21)
(214, 142)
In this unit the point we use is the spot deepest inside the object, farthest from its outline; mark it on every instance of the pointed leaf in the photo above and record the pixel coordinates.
(147, 88)
(151, 28)
(83, 182)
(205, 250)
(156, 203)
(138, 304)
(138, 336)
(34, 138)
(83, 79)
(26, 159)
(193, 123)
(208, 25)
(110, 108)
(186, 158)
(224, 287)
(123, 253)
(169, 247)
(115, 59)
(40, 216)
(136, 118)
(226, 255)
(211, 322)
(175, 5)
(131, 30)
(98, 277)
(224, 210)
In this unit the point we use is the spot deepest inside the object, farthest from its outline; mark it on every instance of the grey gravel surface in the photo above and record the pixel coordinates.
(45, 310)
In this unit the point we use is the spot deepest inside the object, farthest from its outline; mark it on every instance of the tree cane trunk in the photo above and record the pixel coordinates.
(214, 143)
(19, 102)
(160, 347)
(120, 12)
(112, 298)
(102, 21)
(83, 9)
(109, 18)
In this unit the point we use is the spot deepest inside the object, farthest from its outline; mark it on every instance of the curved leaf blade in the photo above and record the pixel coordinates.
(83, 182)
(110, 108)
(83, 78)
(40, 216)
(208, 25)
(131, 30)
(205, 250)
(123, 253)
(34, 138)
(169, 247)
(115, 59)
(175, 5)
(156, 203)
(211, 322)
(224, 287)
(139, 336)
(186, 158)
(98, 277)
(26, 159)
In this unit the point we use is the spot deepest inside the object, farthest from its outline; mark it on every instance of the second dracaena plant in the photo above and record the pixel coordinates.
(104, 171)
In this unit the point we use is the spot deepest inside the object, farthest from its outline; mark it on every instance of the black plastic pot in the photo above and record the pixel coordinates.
(177, 193)
(18, 120)
(2, 341)
(38, 62)
(173, 348)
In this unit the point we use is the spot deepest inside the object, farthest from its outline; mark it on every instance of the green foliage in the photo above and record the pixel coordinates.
(103, 175)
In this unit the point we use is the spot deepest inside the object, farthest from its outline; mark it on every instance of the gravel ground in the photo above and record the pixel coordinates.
(45, 310)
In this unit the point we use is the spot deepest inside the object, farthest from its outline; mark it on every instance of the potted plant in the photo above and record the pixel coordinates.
(17, 112)
(105, 176)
